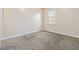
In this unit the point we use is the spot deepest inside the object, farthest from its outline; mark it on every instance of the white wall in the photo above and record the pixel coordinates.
(67, 22)
(19, 21)
(0, 25)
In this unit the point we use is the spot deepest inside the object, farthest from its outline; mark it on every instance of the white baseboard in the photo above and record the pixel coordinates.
(18, 35)
(63, 33)
(37, 31)
(13, 36)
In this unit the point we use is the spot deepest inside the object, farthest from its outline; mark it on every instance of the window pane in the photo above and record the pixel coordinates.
(52, 15)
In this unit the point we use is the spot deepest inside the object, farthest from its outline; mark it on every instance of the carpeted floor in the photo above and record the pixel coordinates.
(41, 40)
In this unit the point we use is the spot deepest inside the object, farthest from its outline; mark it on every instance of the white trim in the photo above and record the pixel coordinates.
(37, 31)
(18, 35)
(13, 36)
(63, 34)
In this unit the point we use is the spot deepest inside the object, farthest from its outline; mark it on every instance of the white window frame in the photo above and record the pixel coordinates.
(52, 17)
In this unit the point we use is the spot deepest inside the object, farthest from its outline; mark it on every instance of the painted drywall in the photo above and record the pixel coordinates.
(0, 23)
(21, 21)
(0, 26)
(67, 21)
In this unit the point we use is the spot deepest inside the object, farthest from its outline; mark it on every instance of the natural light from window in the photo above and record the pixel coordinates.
(52, 16)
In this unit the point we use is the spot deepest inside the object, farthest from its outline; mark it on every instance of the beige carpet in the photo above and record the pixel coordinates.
(41, 40)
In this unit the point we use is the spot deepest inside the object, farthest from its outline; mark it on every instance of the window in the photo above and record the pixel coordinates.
(52, 16)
